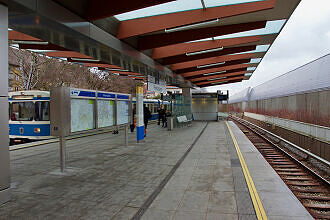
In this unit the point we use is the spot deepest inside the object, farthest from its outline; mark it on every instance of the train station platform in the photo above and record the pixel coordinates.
(189, 173)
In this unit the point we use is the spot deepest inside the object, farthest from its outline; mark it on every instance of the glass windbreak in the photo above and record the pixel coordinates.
(41, 111)
(21, 111)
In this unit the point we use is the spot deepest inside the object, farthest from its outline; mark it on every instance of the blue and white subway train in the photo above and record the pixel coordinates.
(29, 115)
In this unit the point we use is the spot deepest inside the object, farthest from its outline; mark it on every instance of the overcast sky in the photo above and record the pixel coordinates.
(305, 37)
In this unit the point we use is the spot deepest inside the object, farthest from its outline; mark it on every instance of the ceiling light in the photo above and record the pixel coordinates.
(213, 73)
(204, 51)
(212, 64)
(217, 78)
(120, 70)
(219, 82)
(192, 26)
(84, 59)
(29, 42)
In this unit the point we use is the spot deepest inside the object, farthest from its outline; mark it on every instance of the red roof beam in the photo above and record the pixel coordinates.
(225, 51)
(108, 66)
(164, 39)
(18, 36)
(209, 66)
(213, 70)
(68, 54)
(220, 80)
(223, 83)
(186, 48)
(233, 73)
(151, 24)
(195, 63)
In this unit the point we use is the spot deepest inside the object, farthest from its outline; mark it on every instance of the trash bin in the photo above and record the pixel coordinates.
(170, 123)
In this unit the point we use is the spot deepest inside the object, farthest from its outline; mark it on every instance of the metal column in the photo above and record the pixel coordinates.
(4, 148)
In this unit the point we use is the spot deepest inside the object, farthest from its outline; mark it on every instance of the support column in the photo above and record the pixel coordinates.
(139, 114)
(187, 96)
(4, 140)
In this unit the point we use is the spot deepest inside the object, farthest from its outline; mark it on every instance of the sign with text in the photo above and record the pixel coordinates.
(159, 88)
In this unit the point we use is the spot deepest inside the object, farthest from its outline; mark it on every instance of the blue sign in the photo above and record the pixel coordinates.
(119, 96)
(82, 93)
(106, 95)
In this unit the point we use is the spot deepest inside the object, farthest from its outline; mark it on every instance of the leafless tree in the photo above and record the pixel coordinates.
(41, 72)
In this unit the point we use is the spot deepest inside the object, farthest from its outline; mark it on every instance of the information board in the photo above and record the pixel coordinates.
(105, 109)
(82, 114)
(122, 112)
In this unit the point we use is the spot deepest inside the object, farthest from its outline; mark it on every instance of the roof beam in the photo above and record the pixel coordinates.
(227, 63)
(210, 60)
(15, 35)
(218, 69)
(184, 48)
(220, 80)
(234, 72)
(48, 46)
(165, 39)
(151, 24)
(68, 54)
(225, 51)
(229, 81)
(108, 66)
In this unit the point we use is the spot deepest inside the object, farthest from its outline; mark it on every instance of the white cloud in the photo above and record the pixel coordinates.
(304, 38)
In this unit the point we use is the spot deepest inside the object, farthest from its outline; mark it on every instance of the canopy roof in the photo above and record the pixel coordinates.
(199, 42)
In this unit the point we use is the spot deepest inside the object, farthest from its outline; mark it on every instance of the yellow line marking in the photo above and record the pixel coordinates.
(261, 214)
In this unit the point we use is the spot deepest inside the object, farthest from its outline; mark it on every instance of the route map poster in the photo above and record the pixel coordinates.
(82, 114)
(122, 112)
(105, 109)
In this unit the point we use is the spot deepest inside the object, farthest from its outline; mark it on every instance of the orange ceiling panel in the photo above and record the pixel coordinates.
(184, 48)
(15, 35)
(220, 80)
(146, 25)
(217, 69)
(234, 73)
(205, 61)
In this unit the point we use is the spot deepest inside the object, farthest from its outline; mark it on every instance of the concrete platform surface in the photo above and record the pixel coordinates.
(106, 180)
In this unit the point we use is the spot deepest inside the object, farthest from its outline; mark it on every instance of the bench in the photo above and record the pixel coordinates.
(183, 120)
(222, 116)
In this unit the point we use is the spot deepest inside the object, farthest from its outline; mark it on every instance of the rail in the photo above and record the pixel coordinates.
(310, 158)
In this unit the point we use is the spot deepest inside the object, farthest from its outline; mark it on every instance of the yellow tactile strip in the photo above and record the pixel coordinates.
(259, 209)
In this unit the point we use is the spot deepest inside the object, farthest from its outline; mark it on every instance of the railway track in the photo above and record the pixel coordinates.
(305, 174)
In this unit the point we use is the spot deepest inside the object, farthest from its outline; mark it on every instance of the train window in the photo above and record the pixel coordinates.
(42, 111)
(155, 108)
(22, 111)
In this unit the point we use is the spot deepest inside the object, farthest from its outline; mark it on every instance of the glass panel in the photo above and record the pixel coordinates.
(177, 6)
(122, 112)
(105, 110)
(255, 60)
(42, 111)
(22, 111)
(272, 27)
(82, 114)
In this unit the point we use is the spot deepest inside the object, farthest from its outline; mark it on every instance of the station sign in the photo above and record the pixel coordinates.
(159, 87)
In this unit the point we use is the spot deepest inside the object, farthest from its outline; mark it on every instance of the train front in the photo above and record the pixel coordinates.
(29, 116)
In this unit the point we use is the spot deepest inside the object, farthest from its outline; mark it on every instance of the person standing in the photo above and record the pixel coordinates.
(146, 116)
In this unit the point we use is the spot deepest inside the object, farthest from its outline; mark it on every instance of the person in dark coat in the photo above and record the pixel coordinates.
(146, 116)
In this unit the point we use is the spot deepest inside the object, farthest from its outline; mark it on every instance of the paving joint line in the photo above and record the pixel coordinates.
(156, 192)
